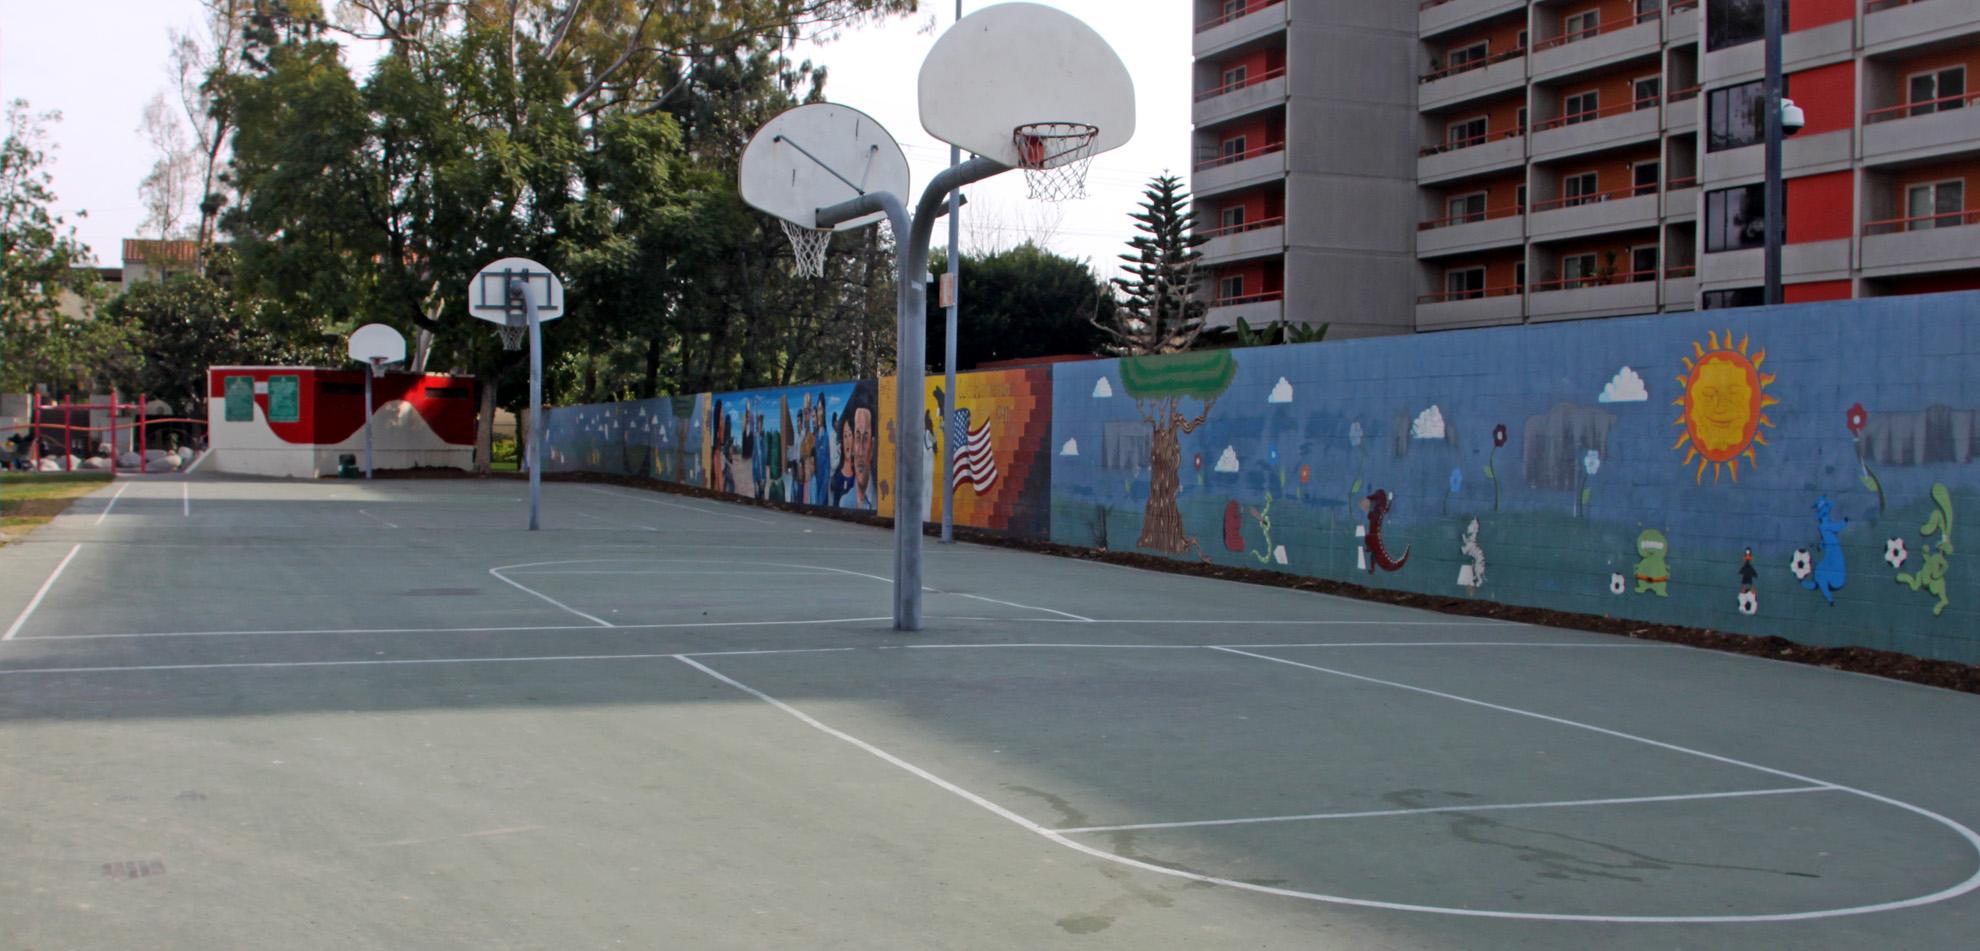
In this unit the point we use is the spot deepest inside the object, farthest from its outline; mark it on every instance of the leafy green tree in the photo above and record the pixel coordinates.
(42, 268)
(1159, 310)
(187, 323)
(1023, 302)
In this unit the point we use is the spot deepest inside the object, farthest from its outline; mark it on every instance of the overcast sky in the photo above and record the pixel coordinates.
(100, 61)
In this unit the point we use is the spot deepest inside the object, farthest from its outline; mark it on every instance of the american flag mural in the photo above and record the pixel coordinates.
(976, 464)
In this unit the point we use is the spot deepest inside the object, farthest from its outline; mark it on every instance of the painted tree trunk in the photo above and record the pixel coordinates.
(1161, 524)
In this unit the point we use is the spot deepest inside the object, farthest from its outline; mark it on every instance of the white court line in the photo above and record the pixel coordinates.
(738, 573)
(497, 572)
(457, 630)
(113, 502)
(387, 524)
(1567, 804)
(691, 508)
(1014, 604)
(185, 495)
(613, 521)
(1059, 836)
(196, 462)
(38, 595)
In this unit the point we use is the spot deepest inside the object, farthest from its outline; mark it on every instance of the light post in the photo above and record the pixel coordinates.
(1784, 118)
(945, 432)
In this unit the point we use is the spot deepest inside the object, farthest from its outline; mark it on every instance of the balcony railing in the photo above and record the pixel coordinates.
(1466, 143)
(1590, 115)
(1258, 298)
(1506, 290)
(1922, 107)
(1681, 5)
(1241, 12)
(1573, 200)
(1948, 219)
(1680, 271)
(1236, 157)
(1489, 214)
(1594, 280)
(1259, 225)
(1680, 95)
(1597, 30)
(1681, 181)
(1248, 81)
(1479, 63)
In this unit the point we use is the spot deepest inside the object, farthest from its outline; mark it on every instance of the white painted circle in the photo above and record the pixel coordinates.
(377, 343)
(788, 168)
(488, 294)
(1013, 64)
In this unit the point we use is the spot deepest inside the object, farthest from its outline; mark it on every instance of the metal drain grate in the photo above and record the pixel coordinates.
(142, 868)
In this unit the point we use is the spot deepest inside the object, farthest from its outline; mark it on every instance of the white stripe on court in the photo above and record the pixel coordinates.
(1059, 836)
(456, 630)
(185, 494)
(497, 572)
(691, 508)
(1567, 804)
(126, 487)
(609, 521)
(38, 595)
(369, 515)
(196, 462)
(1013, 604)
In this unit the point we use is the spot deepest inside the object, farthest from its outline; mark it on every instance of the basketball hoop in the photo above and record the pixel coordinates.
(512, 335)
(808, 246)
(378, 368)
(1055, 157)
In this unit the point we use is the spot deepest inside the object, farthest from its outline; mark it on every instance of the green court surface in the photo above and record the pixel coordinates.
(275, 714)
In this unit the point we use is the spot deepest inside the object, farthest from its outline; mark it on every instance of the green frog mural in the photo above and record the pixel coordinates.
(1652, 574)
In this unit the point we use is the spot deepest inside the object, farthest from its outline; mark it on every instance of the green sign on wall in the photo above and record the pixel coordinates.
(240, 399)
(284, 399)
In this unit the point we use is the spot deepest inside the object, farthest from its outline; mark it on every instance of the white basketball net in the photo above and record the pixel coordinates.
(1055, 157)
(808, 246)
(512, 335)
(377, 368)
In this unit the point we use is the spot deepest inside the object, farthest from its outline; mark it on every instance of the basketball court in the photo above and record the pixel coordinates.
(337, 714)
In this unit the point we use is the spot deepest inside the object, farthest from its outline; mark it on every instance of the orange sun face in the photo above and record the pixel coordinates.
(1725, 403)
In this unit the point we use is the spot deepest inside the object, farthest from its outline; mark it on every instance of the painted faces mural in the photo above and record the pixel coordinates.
(802, 445)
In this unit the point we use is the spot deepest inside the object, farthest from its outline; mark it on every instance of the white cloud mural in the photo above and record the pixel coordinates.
(1281, 392)
(1071, 448)
(1429, 424)
(1103, 389)
(1228, 461)
(1627, 387)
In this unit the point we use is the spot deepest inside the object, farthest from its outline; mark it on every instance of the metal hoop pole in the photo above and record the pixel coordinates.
(519, 287)
(370, 410)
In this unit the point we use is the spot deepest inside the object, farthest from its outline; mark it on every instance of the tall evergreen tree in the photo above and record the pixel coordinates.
(1159, 311)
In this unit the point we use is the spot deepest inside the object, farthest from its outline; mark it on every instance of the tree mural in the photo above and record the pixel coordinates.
(1158, 385)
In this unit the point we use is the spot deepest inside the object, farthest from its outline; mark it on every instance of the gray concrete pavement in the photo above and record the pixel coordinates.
(279, 714)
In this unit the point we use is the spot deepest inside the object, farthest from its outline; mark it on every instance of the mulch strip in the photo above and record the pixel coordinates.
(1861, 660)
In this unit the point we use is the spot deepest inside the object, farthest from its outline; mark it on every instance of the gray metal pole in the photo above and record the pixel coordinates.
(370, 410)
(946, 431)
(1775, 193)
(532, 456)
(911, 359)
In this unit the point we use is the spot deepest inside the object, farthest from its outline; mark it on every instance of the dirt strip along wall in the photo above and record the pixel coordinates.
(1624, 467)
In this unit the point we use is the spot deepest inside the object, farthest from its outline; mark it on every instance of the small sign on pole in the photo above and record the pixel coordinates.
(946, 296)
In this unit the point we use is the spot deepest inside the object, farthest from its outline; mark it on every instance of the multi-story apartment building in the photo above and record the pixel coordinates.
(1396, 165)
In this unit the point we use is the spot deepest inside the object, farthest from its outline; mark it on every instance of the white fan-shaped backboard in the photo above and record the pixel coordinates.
(1011, 64)
(377, 343)
(817, 156)
(488, 293)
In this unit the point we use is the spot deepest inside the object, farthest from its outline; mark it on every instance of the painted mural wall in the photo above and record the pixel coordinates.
(1796, 471)
(654, 439)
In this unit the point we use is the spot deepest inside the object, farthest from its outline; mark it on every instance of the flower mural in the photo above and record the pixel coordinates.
(1854, 419)
(1491, 462)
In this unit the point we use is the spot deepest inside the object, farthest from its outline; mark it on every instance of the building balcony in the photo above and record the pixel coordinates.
(1595, 48)
(1442, 16)
(1499, 150)
(1805, 154)
(1501, 73)
(1680, 288)
(1605, 128)
(1681, 109)
(1681, 197)
(1256, 309)
(1681, 22)
(1800, 49)
(1259, 18)
(1890, 25)
(1491, 228)
(1228, 102)
(1910, 132)
(1918, 245)
(1480, 308)
(1634, 292)
(1806, 261)
(1266, 163)
(1624, 209)
(1249, 240)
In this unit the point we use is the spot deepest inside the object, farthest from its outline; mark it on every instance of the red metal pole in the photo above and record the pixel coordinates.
(68, 437)
(34, 420)
(142, 434)
(113, 434)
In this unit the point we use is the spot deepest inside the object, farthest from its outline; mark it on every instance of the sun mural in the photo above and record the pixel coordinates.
(1725, 404)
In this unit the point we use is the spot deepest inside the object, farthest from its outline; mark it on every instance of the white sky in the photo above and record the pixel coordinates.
(100, 61)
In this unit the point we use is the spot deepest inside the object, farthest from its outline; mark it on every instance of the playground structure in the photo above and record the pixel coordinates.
(45, 420)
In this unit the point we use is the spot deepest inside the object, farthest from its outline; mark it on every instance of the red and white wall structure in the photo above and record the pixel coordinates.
(297, 421)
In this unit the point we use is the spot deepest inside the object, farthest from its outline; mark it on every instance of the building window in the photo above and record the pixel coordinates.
(1643, 264)
(1520, 119)
(1578, 189)
(1736, 218)
(1519, 198)
(1233, 149)
(1519, 276)
(1230, 288)
(1234, 77)
(1465, 134)
(1522, 39)
(1581, 106)
(1946, 86)
(1644, 177)
(1577, 270)
(1734, 22)
(1233, 7)
(1462, 57)
(1649, 10)
(1580, 26)
(1466, 208)
(1232, 218)
(1736, 116)
(1648, 92)
(1737, 297)
(1464, 283)
(1935, 205)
